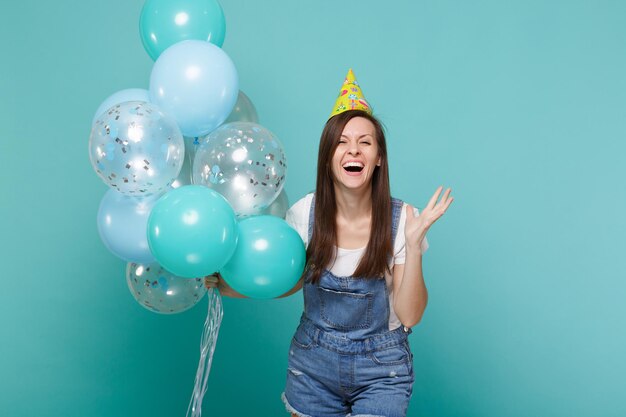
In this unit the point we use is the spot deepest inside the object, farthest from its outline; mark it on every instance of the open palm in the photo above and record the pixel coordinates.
(417, 226)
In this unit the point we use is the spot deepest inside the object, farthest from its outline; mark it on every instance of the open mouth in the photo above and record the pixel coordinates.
(353, 166)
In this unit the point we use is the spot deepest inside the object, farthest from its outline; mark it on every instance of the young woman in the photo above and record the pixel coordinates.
(363, 284)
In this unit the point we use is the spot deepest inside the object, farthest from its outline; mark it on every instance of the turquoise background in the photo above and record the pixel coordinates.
(519, 106)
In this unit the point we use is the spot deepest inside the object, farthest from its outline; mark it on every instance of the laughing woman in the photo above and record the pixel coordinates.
(363, 284)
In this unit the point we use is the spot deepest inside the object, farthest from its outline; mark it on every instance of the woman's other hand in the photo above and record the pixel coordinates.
(416, 227)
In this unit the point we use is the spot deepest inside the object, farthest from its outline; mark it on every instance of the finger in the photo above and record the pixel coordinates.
(434, 198)
(211, 279)
(441, 209)
(410, 213)
(445, 196)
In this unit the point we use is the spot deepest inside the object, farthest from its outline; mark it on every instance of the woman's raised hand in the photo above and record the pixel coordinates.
(416, 228)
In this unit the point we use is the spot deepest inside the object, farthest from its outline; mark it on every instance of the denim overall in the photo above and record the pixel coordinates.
(343, 359)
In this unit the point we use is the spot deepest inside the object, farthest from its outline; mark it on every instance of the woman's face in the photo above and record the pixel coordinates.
(356, 156)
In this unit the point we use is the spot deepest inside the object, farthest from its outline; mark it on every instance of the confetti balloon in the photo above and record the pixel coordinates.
(136, 148)
(245, 163)
(161, 291)
(243, 111)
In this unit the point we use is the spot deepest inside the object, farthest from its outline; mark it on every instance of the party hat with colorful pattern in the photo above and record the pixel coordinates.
(350, 97)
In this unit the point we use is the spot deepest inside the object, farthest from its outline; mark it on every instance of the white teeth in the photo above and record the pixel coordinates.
(353, 164)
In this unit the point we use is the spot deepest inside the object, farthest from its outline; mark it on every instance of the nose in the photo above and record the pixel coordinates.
(354, 149)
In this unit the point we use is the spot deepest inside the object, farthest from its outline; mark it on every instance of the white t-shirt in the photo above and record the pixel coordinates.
(348, 259)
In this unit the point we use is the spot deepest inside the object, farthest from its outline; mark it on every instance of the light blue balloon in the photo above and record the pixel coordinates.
(166, 22)
(123, 225)
(192, 231)
(197, 84)
(130, 94)
(269, 259)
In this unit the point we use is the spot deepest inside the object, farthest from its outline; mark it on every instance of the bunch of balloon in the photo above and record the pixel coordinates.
(196, 182)
(143, 142)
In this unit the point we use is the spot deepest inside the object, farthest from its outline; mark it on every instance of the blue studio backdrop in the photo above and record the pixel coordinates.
(519, 106)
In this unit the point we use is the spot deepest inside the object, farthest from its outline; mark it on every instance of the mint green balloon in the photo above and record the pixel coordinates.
(269, 258)
(192, 231)
(166, 22)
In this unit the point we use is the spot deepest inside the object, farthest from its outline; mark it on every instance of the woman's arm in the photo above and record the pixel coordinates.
(216, 281)
(409, 288)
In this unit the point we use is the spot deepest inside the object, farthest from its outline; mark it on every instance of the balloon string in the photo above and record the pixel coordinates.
(207, 347)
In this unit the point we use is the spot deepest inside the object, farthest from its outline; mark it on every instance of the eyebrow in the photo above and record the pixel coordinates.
(360, 137)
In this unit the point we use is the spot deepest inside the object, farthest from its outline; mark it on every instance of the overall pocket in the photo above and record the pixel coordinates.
(345, 310)
(395, 355)
(302, 340)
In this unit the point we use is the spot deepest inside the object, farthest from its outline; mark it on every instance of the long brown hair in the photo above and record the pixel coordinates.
(321, 252)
